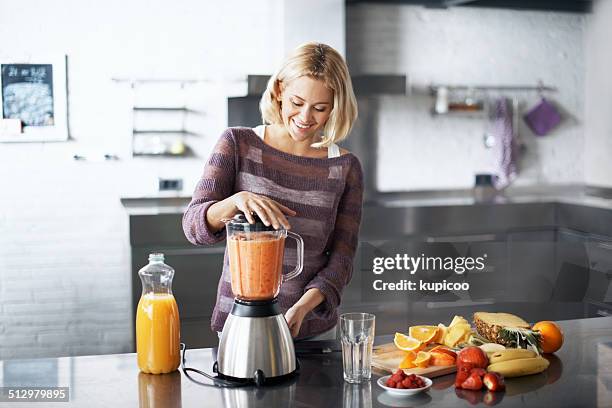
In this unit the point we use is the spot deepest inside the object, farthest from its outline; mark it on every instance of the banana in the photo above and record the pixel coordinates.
(520, 367)
(510, 354)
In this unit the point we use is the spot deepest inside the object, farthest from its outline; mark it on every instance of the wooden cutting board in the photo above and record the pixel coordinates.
(387, 358)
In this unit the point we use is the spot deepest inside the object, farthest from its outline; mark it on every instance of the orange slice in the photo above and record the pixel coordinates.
(441, 359)
(406, 343)
(424, 334)
(408, 361)
(444, 350)
(422, 359)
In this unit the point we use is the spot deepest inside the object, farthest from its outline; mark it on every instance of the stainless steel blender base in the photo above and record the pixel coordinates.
(249, 344)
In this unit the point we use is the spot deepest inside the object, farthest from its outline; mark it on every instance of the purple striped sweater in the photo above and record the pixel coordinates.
(327, 195)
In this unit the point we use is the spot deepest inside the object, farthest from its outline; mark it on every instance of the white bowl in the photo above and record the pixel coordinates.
(401, 392)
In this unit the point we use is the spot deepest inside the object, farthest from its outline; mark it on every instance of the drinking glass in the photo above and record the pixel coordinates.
(357, 336)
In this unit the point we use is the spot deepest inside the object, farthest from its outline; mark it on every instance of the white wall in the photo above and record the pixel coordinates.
(598, 166)
(64, 251)
(314, 20)
(466, 46)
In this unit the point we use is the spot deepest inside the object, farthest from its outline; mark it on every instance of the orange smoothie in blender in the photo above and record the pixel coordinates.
(157, 325)
(256, 265)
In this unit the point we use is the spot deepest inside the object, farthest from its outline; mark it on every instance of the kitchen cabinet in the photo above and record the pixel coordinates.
(599, 291)
(531, 264)
(583, 262)
(599, 249)
(575, 6)
(541, 256)
(489, 284)
(571, 265)
(196, 276)
(197, 271)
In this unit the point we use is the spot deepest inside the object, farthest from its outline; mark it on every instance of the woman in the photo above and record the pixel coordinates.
(291, 173)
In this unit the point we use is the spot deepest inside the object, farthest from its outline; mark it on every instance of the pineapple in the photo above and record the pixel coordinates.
(506, 329)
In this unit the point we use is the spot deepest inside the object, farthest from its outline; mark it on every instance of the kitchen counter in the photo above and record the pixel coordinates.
(394, 215)
(568, 194)
(580, 375)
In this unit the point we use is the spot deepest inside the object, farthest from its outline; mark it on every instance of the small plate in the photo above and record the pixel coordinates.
(401, 392)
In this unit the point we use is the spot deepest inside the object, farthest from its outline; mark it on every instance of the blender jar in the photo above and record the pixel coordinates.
(256, 258)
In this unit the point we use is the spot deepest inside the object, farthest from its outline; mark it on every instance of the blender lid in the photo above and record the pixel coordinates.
(240, 223)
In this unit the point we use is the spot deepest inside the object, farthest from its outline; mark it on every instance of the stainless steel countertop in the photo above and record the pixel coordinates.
(568, 194)
(579, 376)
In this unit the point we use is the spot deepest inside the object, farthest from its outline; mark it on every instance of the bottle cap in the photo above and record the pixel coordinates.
(156, 257)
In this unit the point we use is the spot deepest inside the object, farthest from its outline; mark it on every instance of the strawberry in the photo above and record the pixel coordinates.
(480, 371)
(398, 376)
(474, 382)
(494, 382)
(463, 372)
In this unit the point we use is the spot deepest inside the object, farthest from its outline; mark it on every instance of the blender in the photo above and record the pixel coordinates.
(256, 343)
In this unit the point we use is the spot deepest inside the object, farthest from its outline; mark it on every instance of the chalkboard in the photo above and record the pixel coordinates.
(27, 93)
(33, 92)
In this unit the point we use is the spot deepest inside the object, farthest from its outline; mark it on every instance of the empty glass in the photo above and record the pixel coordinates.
(357, 336)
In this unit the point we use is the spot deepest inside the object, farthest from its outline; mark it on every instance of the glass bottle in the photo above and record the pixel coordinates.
(157, 319)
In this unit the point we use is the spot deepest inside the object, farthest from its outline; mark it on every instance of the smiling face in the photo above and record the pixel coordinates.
(306, 104)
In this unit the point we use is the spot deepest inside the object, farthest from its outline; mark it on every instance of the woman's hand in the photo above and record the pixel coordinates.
(268, 210)
(295, 317)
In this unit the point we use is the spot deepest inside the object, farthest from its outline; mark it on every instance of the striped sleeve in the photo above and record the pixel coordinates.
(216, 184)
(338, 271)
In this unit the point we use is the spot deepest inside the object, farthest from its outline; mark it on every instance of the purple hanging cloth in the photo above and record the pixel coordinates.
(505, 147)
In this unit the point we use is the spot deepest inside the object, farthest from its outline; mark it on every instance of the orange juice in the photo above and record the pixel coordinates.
(157, 333)
(256, 266)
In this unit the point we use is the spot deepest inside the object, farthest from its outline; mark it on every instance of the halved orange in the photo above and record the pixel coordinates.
(424, 334)
(407, 343)
(408, 361)
(422, 359)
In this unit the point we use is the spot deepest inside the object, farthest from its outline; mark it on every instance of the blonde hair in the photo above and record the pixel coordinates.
(321, 62)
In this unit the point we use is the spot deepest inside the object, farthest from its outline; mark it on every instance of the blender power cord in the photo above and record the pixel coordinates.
(217, 382)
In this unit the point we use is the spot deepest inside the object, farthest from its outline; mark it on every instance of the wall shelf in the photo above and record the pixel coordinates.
(160, 116)
(155, 109)
(472, 100)
(164, 132)
(483, 88)
(187, 153)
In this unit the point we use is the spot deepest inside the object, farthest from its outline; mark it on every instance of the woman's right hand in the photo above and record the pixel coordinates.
(269, 211)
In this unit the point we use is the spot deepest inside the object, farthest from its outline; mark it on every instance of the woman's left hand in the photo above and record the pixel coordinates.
(295, 317)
